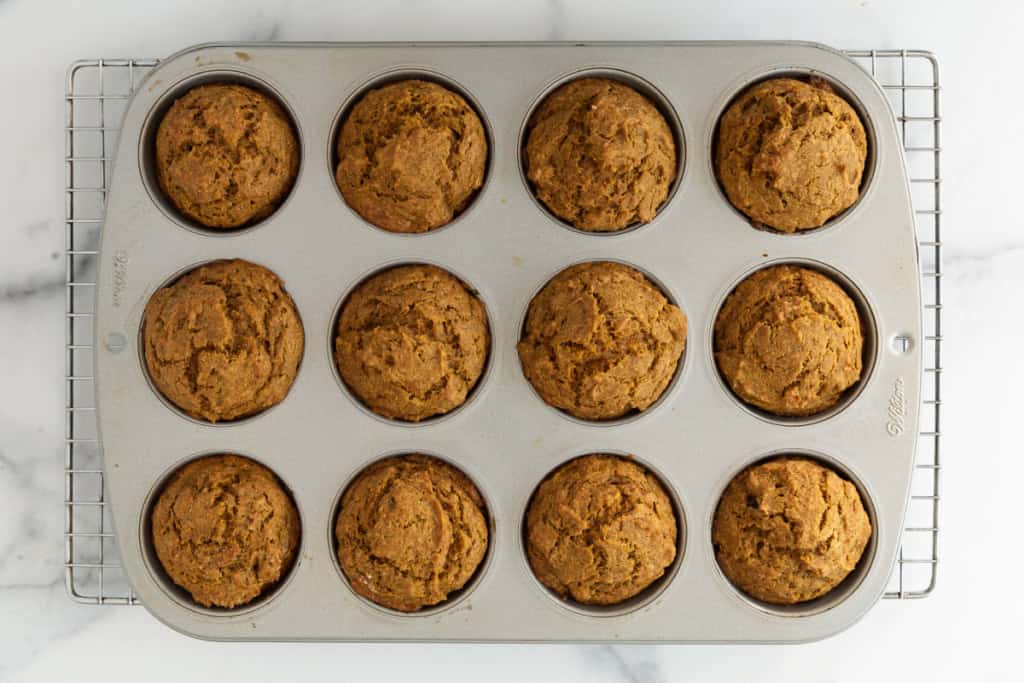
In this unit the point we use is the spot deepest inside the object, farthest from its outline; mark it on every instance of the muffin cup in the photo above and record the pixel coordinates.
(147, 143)
(669, 390)
(393, 76)
(455, 598)
(847, 586)
(180, 595)
(869, 354)
(141, 346)
(648, 595)
(333, 334)
(645, 88)
(870, 163)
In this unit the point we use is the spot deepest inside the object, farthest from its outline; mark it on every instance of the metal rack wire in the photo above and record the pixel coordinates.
(95, 102)
(910, 78)
(96, 96)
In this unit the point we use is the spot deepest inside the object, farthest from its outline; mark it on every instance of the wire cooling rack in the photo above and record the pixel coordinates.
(95, 101)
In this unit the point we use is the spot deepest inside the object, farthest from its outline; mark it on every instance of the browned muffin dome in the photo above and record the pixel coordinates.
(224, 341)
(600, 529)
(225, 530)
(412, 342)
(411, 155)
(790, 154)
(600, 155)
(411, 531)
(226, 155)
(789, 341)
(789, 530)
(601, 341)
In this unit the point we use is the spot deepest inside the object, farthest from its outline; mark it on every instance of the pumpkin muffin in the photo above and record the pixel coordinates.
(601, 341)
(411, 156)
(789, 340)
(225, 530)
(790, 154)
(226, 155)
(600, 155)
(411, 531)
(600, 530)
(789, 530)
(224, 341)
(412, 342)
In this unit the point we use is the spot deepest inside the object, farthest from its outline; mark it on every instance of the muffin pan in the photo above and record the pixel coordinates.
(504, 438)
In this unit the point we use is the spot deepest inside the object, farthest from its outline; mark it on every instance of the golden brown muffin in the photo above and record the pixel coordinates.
(226, 155)
(411, 530)
(224, 341)
(601, 341)
(789, 530)
(411, 155)
(225, 530)
(412, 342)
(600, 155)
(600, 529)
(789, 340)
(790, 154)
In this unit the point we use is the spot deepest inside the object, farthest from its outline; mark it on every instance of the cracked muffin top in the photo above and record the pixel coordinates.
(601, 341)
(223, 341)
(225, 530)
(412, 342)
(411, 530)
(789, 340)
(226, 155)
(600, 155)
(790, 154)
(600, 529)
(789, 530)
(411, 155)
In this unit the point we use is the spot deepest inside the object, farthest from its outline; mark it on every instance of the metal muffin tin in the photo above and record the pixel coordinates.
(696, 438)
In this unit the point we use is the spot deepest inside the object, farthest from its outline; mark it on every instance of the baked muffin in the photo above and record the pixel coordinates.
(601, 341)
(411, 155)
(411, 531)
(225, 530)
(790, 154)
(226, 155)
(600, 155)
(789, 530)
(224, 341)
(600, 529)
(788, 340)
(412, 342)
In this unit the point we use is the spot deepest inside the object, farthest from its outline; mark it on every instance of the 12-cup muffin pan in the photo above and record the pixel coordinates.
(506, 246)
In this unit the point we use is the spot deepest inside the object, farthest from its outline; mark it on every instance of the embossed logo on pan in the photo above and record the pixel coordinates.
(120, 275)
(897, 410)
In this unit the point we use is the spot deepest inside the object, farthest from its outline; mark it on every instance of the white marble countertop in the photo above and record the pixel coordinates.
(966, 631)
